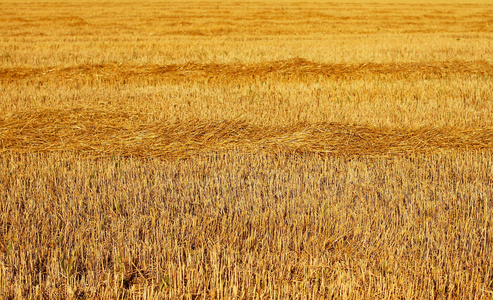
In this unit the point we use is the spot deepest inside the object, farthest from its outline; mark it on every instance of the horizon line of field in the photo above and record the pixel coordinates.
(296, 67)
(99, 132)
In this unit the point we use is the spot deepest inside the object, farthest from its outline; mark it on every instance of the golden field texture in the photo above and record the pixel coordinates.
(266, 150)
(247, 226)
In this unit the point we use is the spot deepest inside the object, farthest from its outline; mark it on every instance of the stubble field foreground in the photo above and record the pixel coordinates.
(266, 150)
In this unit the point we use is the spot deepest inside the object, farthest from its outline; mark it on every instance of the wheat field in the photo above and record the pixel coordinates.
(246, 150)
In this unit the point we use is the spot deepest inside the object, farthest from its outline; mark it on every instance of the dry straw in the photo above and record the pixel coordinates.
(296, 67)
(105, 132)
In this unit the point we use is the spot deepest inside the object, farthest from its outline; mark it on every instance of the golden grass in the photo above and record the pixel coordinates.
(267, 150)
(109, 133)
(247, 226)
(296, 68)
(46, 35)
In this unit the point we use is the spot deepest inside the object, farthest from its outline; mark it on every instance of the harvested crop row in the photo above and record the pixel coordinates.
(287, 68)
(100, 133)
